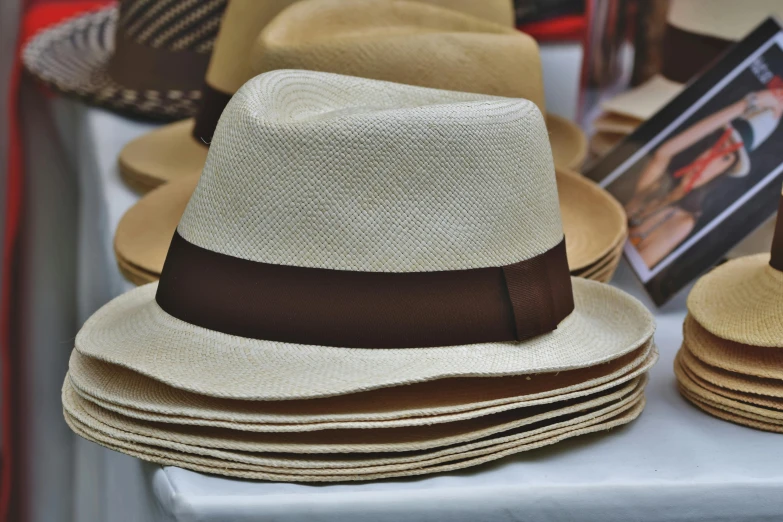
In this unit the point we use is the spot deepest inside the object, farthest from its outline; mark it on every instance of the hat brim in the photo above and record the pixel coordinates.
(336, 468)
(641, 102)
(741, 301)
(720, 401)
(445, 400)
(134, 332)
(730, 380)
(593, 221)
(568, 141)
(755, 361)
(72, 57)
(166, 154)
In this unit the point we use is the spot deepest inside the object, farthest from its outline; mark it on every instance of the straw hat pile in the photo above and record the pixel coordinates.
(262, 354)
(731, 361)
(697, 33)
(470, 46)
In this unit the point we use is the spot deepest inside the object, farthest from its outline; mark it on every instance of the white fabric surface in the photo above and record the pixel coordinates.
(674, 463)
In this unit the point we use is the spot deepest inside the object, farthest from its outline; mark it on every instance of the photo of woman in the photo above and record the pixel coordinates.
(667, 202)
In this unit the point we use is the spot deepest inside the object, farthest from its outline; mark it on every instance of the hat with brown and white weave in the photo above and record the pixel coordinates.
(140, 58)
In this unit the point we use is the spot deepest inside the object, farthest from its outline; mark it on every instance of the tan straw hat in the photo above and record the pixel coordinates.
(417, 193)
(180, 149)
(416, 44)
(142, 58)
(742, 300)
(592, 219)
(444, 400)
(756, 361)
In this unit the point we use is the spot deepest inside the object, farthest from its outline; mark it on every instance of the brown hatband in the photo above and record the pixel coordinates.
(348, 309)
(141, 67)
(686, 54)
(776, 259)
(213, 102)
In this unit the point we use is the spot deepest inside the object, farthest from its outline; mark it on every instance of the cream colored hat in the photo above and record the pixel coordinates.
(445, 400)
(337, 184)
(416, 44)
(742, 300)
(698, 32)
(594, 224)
(180, 149)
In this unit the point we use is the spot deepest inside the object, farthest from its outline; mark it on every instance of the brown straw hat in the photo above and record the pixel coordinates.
(180, 149)
(141, 58)
(416, 44)
(410, 185)
(445, 400)
(742, 300)
(594, 223)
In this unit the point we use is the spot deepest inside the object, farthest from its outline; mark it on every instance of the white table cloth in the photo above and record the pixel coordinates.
(674, 463)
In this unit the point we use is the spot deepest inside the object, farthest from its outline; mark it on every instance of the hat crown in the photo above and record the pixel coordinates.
(320, 170)
(403, 41)
(174, 25)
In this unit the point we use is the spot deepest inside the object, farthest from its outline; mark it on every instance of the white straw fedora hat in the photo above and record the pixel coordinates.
(351, 234)
(179, 149)
(140, 58)
(697, 33)
(416, 44)
(742, 300)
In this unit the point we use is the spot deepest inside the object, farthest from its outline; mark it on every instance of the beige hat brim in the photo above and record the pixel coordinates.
(615, 123)
(594, 222)
(610, 261)
(445, 400)
(216, 466)
(134, 274)
(601, 143)
(735, 357)
(162, 155)
(730, 380)
(641, 102)
(749, 398)
(720, 401)
(741, 301)
(568, 141)
(144, 233)
(370, 440)
(134, 332)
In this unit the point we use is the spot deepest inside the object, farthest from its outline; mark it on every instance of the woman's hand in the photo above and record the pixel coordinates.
(770, 99)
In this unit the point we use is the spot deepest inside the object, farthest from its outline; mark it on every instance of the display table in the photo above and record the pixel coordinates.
(674, 463)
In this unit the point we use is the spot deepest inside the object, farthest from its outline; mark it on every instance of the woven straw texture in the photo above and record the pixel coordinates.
(73, 56)
(749, 398)
(413, 179)
(730, 380)
(369, 440)
(132, 331)
(741, 301)
(594, 222)
(723, 414)
(416, 44)
(475, 457)
(445, 400)
(752, 411)
(728, 355)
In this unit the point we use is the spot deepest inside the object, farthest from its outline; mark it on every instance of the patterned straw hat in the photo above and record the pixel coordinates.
(180, 149)
(142, 58)
(368, 206)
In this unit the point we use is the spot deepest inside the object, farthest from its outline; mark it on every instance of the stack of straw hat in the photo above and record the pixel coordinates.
(697, 33)
(350, 296)
(731, 361)
(384, 40)
(141, 58)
